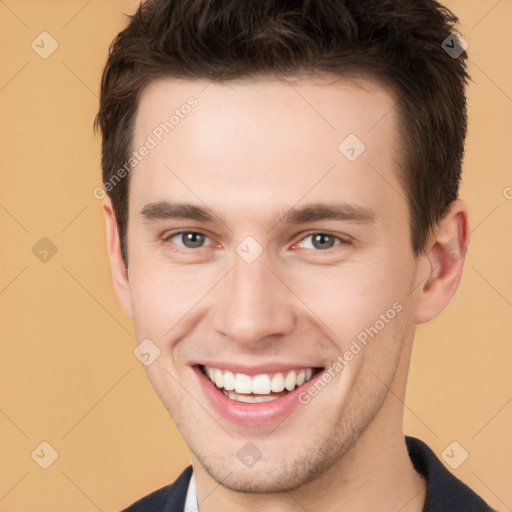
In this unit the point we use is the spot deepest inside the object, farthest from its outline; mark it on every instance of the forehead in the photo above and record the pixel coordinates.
(266, 138)
(328, 104)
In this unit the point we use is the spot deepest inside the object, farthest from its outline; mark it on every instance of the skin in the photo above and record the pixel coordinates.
(250, 152)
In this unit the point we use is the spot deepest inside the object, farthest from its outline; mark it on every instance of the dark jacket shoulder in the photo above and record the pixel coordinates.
(445, 492)
(170, 498)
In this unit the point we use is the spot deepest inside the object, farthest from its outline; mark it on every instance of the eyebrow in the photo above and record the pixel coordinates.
(163, 210)
(337, 211)
(167, 210)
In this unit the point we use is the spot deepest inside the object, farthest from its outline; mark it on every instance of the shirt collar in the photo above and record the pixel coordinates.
(191, 499)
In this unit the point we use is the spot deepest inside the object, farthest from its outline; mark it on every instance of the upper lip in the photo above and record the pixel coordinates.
(270, 367)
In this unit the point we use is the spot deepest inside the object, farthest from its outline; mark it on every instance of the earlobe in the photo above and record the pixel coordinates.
(119, 271)
(442, 263)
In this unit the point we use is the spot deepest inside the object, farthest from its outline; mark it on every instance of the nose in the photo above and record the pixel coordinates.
(253, 304)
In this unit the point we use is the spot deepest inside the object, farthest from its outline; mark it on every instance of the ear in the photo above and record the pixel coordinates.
(442, 262)
(118, 268)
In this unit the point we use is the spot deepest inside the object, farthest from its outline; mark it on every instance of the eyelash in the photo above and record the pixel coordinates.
(341, 240)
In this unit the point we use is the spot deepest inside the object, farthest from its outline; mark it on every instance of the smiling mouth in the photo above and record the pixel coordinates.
(260, 388)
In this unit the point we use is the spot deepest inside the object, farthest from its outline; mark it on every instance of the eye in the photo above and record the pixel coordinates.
(321, 241)
(187, 239)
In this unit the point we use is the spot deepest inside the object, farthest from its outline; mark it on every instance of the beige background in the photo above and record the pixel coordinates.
(68, 373)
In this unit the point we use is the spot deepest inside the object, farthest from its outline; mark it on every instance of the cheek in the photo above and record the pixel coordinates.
(167, 298)
(345, 300)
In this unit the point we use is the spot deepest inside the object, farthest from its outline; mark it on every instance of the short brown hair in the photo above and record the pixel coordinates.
(399, 42)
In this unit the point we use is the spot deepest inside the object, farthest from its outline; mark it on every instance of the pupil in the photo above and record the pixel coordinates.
(322, 241)
(193, 239)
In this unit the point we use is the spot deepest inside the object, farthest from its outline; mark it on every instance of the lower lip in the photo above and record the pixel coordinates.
(263, 413)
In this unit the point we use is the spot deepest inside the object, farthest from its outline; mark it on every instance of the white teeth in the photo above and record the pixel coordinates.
(277, 383)
(290, 381)
(236, 385)
(261, 385)
(263, 398)
(219, 378)
(243, 383)
(229, 381)
(245, 398)
(250, 399)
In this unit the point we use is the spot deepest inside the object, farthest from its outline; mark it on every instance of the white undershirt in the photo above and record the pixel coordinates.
(191, 499)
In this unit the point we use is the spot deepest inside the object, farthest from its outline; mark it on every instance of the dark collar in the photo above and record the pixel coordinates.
(445, 492)
(170, 498)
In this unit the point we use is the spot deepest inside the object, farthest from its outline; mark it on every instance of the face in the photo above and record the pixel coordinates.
(268, 240)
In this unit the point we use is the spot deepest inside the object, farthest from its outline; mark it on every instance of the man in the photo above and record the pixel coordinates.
(282, 211)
